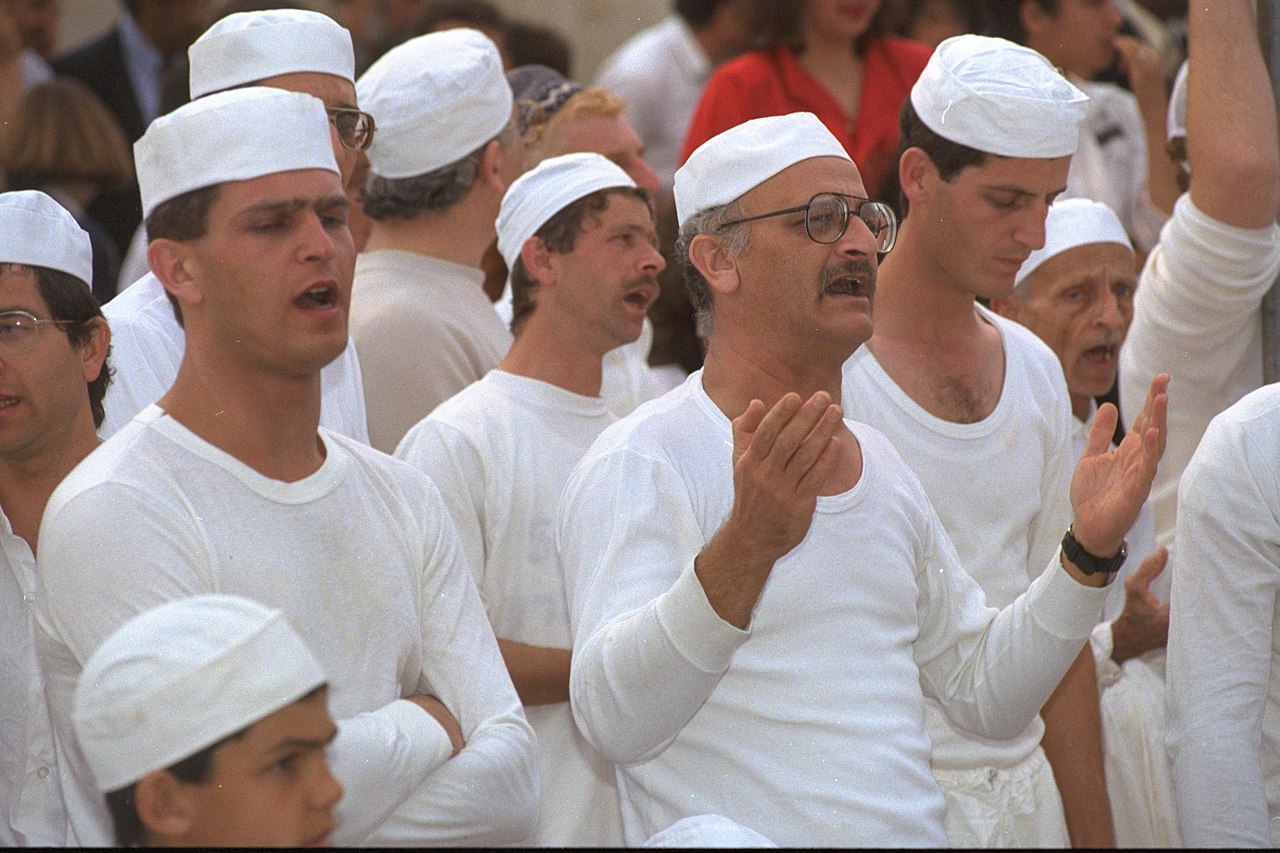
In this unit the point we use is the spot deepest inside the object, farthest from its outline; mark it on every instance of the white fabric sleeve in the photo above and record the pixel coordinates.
(488, 793)
(1221, 636)
(992, 671)
(648, 647)
(1050, 523)
(1102, 643)
(135, 383)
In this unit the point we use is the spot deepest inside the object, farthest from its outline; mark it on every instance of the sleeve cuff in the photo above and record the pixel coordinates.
(1102, 641)
(1064, 607)
(693, 626)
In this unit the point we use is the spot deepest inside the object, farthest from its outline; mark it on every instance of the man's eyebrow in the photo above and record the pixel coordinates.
(292, 205)
(296, 743)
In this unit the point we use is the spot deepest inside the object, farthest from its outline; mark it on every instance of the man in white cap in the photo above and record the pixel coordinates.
(977, 407)
(287, 49)
(579, 238)
(205, 722)
(228, 484)
(1076, 294)
(53, 372)
(447, 150)
(761, 594)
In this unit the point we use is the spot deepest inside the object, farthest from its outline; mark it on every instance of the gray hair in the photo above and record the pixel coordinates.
(733, 240)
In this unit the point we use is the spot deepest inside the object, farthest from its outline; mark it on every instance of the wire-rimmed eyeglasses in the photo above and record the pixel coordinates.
(19, 331)
(355, 127)
(827, 215)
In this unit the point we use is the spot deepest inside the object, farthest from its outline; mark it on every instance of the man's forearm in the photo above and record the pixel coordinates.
(540, 674)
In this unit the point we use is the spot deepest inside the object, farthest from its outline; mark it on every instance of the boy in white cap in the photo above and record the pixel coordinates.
(446, 152)
(205, 723)
(228, 485)
(579, 238)
(977, 407)
(1076, 294)
(287, 49)
(761, 594)
(53, 372)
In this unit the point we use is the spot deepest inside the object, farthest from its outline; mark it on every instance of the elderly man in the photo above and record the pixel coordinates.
(53, 372)
(285, 49)
(447, 152)
(762, 595)
(229, 485)
(579, 238)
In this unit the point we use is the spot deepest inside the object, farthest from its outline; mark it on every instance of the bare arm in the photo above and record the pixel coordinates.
(1145, 72)
(1073, 744)
(540, 675)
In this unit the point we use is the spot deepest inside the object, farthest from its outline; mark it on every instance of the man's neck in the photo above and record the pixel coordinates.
(737, 372)
(916, 297)
(459, 234)
(25, 484)
(557, 359)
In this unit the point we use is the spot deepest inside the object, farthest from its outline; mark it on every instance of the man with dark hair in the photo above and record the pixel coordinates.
(447, 152)
(579, 238)
(53, 371)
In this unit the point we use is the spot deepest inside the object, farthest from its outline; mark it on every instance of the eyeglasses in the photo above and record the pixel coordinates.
(355, 127)
(826, 217)
(19, 331)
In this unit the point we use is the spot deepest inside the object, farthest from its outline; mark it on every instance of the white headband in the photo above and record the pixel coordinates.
(547, 189)
(729, 164)
(177, 679)
(1074, 222)
(37, 231)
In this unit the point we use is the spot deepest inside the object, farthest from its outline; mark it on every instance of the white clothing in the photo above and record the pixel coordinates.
(1223, 696)
(501, 451)
(425, 330)
(35, 70)
(808, 726)
(361, 557)
(134, 265)
(660, 73)
(147, 345)
(1110, 163)
(1196, 316)
(988, 806)
(31, 809)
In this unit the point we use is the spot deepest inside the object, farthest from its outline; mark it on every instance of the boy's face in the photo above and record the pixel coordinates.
(270, 787)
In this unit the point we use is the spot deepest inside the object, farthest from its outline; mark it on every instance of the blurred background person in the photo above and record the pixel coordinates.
(37, 23)
(932, 22)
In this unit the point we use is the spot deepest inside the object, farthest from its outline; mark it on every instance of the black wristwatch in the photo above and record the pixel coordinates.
(1091, 564)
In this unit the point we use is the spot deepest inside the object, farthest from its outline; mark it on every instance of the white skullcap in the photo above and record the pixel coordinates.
(177, 679)
(250, 46)
(708, 830)
(999, 97)
(547, 189)
(231, 136)
(731, 163)
(436, 99)
(37, 231)
(1176, 119)
(1074, 222)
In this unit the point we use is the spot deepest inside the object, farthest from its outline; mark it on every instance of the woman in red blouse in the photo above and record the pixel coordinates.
(830, 58)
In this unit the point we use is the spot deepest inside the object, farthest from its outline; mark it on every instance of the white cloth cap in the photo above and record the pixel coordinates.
(999, 97)
(231, 136)
(1074, 222)
(1176, 118)
(708, 830)
(177, 679)
(436, 99)
(733, 162)
(37, 231)
(250, 46)
(547, 189)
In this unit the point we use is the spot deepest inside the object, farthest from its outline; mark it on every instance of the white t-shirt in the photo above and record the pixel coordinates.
(501, 451)
(809, 726)
(1196, 316)
(31, 809)
(362, 558)
(999, 486)
(147, 345)
(1223, 697)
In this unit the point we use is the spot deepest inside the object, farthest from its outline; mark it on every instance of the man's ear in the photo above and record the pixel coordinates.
(93, 352)
(165, 807)
(707, 252)
(917, 175)
(174, 264)
(491, 166)
(539, 262)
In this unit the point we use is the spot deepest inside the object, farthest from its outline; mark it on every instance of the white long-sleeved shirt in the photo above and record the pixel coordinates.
(362, 558)
(1197, 316)
(501, 450)
(809, 726)
(147, 345)
(1223, 696)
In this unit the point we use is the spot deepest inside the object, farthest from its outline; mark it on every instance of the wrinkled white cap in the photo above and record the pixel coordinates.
(547, 189)
(1176, 119)
(436, 99)
(1074, 222)
(177, 679)
(37, 231)
(730, 163)
(999, 97)
(250, 46)
(708, 830)
(231, 136)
